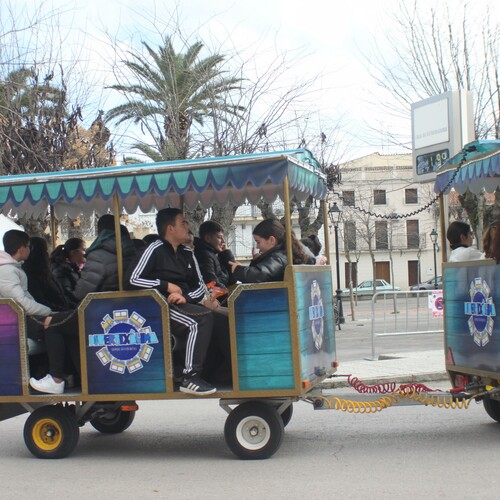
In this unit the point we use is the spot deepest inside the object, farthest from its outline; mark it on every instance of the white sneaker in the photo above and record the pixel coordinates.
(47, 385)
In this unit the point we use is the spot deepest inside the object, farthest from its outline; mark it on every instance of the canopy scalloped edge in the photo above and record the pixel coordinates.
(206, 181)
(480, 172)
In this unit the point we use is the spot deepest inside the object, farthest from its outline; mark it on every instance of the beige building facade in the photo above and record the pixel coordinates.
(386, 222)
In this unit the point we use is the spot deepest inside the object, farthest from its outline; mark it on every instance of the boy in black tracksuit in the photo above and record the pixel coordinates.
(168, 266)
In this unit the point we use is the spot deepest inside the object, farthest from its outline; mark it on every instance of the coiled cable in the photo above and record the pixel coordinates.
(433, 400)
(349, 406)
(390, 392)
(385, 388)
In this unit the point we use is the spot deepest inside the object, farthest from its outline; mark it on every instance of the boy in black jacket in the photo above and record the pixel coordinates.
(168, 266)
(207, 249)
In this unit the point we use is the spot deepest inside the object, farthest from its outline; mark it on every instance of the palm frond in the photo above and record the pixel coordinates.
(149, 151)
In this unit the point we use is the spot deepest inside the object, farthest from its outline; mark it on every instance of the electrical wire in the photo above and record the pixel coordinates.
(394, 216)
(390, 393)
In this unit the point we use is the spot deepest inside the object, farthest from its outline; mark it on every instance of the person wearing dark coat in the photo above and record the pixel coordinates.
(41, 285)
(169, 266)
(269, 265)
(207, 249)
(100, 273)
(66, 262)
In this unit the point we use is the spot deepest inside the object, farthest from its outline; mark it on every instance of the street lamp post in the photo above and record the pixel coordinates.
(434, 239)
(334, 213)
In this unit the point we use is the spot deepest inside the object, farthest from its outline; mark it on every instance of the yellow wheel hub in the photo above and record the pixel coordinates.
(47, 434)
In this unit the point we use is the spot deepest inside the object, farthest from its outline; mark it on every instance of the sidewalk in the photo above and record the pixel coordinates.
(401, 359)
(404, 367)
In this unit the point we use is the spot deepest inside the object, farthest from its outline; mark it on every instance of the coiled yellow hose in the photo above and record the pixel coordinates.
(433, 400)
(389, 400)
(350, 406)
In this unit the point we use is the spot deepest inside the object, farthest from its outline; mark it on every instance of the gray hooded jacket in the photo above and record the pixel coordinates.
(14, 285)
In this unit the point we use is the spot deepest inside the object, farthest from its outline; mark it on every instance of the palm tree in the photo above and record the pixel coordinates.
(173, 91)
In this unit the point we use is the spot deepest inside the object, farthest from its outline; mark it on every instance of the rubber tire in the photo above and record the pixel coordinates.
(256, 416)
(51, 432)
(286, 416)
(492, 407)
(119, 422)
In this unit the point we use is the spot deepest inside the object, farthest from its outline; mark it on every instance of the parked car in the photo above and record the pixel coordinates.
(429, 284)
(366, 288)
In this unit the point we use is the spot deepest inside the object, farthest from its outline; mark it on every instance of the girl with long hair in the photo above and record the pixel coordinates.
(67, 261)
(41, 285)
(270, 263)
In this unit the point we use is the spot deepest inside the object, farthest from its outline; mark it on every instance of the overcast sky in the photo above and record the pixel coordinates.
(329, 37)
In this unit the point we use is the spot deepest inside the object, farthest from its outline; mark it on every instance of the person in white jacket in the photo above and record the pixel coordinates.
(61, 336)
(460, 236)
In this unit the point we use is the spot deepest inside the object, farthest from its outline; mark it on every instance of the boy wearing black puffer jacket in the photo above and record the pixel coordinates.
(100, 273)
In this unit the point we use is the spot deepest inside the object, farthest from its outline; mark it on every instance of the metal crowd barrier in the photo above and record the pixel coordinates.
(402, 313)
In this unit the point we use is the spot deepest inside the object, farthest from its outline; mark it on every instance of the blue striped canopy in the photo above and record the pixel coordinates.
(208, 181)
(480, 170)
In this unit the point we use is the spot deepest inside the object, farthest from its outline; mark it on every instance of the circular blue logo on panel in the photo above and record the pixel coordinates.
(125, 342)
(316, 315)
(481, 311)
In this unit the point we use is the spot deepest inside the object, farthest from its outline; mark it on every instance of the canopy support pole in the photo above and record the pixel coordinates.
(325, 231)
(288, 220)
(442, 228)
(118, 237)
(53, 228)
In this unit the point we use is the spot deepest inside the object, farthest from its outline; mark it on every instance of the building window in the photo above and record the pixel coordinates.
(412, 234)
(350, 235)
(379, 197)
(348, 198)
(411, 196)
(381, 236)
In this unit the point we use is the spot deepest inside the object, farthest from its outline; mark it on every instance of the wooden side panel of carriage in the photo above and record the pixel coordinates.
(13, 350)
(274, 350)
(474, 358)
(272, 344)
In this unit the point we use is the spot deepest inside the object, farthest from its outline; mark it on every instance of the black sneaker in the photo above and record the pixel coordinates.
(194, 384)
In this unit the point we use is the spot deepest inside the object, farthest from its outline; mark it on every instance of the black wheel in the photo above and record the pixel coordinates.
(492, 407)
(113, 421)
(254, 431)
(51, 432)
(286, 416)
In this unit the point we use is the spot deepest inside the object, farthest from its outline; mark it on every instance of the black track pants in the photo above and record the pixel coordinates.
(59, 340)
(192, 324)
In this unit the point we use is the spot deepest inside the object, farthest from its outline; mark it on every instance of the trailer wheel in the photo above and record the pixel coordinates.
(492, 407)
(51, 432)
(113, 422)
(286, 416)
(254, 431)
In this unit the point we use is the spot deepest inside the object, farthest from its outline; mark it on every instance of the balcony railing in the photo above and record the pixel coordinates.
(396, 242)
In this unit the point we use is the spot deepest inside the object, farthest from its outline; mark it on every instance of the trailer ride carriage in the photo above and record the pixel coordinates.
(472, 289)
(281, 333)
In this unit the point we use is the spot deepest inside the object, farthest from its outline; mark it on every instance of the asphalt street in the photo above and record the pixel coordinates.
(176, 450)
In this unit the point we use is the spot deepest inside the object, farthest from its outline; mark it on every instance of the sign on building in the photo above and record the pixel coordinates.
(441, 125)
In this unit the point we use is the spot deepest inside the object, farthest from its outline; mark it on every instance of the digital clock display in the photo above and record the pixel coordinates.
(430, 162)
